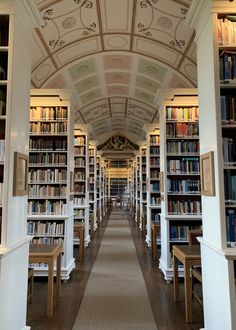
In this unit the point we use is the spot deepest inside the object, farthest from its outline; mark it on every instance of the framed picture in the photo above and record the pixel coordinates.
(20, 176)
(207, 174)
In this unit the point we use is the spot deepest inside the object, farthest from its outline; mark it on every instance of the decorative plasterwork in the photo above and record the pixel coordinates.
(118, 143)
(115, 56)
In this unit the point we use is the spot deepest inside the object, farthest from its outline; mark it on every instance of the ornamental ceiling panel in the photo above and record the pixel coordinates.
(162, 22)
(116, 15)
(115, 56)
(116, 42)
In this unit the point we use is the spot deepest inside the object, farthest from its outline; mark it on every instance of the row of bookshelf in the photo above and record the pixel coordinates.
(39, 191)
(48, 175)
(79, 162)
(48, 113)
(48, 128)
(182, 114)
(182, 147)
(183, 186)
(79, 151)
(47, 207)
(47, 159)
(184, 207)
(183, 166)
(39, 228)
(154, 139)
(182, 130)
(229, 150)
(46, 144)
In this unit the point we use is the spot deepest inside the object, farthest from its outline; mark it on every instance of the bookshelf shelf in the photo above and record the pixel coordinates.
(49, 204)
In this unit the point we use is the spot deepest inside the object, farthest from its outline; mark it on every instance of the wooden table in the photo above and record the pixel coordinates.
(48, 253)
(155, 233)
(79, 228)
(190, 256)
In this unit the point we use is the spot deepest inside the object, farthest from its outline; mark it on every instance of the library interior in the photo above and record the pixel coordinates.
(117, 164)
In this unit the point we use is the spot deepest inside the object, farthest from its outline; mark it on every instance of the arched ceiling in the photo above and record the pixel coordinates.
(115, 55)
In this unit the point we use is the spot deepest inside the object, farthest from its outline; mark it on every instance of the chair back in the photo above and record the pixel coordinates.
(192, 236)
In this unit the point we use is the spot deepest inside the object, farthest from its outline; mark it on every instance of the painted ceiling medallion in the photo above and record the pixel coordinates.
(164, 22)
(152, 69)
(117, 42)
(117, 61)
(82, 69)
(69, 22)
(117, 77)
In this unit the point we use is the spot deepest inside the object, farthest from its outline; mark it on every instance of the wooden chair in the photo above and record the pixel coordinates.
(30, 284)
(196, 271)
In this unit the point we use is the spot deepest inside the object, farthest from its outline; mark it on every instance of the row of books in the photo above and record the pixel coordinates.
(49, 175)
(183, 186)
(227, 65)
(47, 207)
(231, 227)
(79, 140)
(182, 147)
(154, 150)
(79, 162)
(91, 179)
(155, 200)
(184, 165)
(226, 31)
(155, 186)
(182, 114)
(229, 150)
(47, 159)
(143, 152)
(186, 130)
(79, 175)
(79, 151)
(230, 186)
(180, 232)
(79, 188)
(155, 217)
(228, 109)
(154, 161)
(48, 113)
(154, 174)
(91, 152)
(48, 240)
(79, 201)
(47, 191)
(184, 207)
(154, 139)
(78, 213)
(48, 128)
(49, 145)
(45, 228)
(91, 160)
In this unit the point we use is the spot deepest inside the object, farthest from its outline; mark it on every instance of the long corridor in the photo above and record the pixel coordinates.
(116, 297)
(117, 286)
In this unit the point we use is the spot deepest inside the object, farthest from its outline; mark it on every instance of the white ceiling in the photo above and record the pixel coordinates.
(115, 55)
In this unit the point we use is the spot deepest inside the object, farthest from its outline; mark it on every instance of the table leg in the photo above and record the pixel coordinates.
(50, 289)
(187, 293)
(176, 279)
(58, 282)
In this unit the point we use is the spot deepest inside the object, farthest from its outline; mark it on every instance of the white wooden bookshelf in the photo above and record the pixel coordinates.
(99, 212)
(143, 182)
(81, 180)
(153, 177)
(181, 193)
(17, 21)
(92, 182)
(138, 188)
(214, 45)
(50, 206)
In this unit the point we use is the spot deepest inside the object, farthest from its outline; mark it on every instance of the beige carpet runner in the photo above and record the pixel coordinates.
(116, 297)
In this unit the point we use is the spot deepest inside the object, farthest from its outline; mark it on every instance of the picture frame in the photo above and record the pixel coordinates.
(207, 174)
(20, 175)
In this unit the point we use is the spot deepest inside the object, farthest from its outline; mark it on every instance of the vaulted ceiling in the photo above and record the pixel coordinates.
(115, 56)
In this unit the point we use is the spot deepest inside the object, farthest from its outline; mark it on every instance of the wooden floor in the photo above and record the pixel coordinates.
(168, 315)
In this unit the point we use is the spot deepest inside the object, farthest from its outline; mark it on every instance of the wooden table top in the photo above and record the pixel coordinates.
(188, 251)
(44, 249)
